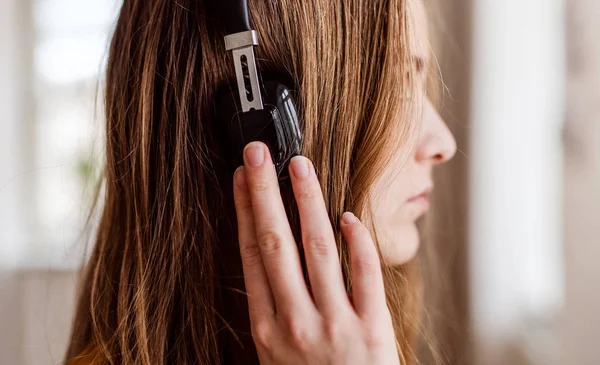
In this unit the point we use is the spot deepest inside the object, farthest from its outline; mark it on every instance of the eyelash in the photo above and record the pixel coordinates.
(419, 65)
(419, 68)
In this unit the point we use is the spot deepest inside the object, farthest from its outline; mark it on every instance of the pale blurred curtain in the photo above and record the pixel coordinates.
(580, 325)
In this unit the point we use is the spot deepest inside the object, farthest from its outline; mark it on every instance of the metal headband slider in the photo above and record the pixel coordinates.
(241, 39)
(241, 46)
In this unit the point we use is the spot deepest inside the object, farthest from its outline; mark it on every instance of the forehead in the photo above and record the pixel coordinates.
(420, 27)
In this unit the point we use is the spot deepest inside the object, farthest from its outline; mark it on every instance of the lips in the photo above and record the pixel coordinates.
(423, 195)
(420, 202)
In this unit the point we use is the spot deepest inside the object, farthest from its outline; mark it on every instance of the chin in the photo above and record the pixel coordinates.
(400, 245)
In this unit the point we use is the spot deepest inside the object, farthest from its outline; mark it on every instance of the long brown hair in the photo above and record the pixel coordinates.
(164, 282)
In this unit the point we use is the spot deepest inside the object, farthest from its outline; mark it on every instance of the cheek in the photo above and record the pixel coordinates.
(399, 243)
(394, 218)
(395, 222)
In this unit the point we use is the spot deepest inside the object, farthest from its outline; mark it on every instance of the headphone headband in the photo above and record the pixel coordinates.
(241, 40)
(233, 14)
(257, 111)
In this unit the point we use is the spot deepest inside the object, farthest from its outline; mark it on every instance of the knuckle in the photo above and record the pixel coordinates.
(244, 205)
(367, 266)
(261, 185)
(377, 331)
(335, 331)
(318, 245)
(250, 254)
(374, 337)
(300, 337)
(299, 333)
(262, 333)
(270, 241)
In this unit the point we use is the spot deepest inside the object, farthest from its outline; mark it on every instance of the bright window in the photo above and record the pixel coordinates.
(71, 43)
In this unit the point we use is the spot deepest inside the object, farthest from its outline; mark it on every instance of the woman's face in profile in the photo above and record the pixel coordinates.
(401, 195)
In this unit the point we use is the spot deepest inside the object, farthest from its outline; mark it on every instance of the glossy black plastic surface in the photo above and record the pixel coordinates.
(277, 125)
(233, 14)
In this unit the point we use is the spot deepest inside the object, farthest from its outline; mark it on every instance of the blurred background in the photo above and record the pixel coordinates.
(519, 240)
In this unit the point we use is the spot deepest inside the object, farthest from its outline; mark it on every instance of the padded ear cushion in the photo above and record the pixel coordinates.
(277, 125)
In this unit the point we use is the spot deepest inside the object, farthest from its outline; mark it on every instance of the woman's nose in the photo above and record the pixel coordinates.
(436, 143)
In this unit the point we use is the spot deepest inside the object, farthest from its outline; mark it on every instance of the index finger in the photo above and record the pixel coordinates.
(273, 233)
(368, 291)
(260, 297)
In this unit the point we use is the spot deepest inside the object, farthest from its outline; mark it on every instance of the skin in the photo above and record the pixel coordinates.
(288, 325)
(399, 198)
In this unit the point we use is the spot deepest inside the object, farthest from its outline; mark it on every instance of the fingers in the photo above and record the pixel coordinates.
(320, 249)
(260, 297)
(272, 270)
(273, 234)
(368, 292)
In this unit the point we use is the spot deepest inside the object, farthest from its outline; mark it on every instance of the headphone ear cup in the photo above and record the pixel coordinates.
(279, 99)
(277, 125)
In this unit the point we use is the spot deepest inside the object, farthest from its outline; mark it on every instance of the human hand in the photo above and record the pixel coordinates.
(288, 325)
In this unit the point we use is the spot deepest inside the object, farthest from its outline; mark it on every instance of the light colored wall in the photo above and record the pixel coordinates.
(580, 325)
(15, 159)
(47, 306)
(14, 207)
(11, 333)
(36, 312)
(445, 245)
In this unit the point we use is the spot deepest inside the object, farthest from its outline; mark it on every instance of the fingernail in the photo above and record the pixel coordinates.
(300, 167)
(240, 178)
(255, 154)
(349, 218)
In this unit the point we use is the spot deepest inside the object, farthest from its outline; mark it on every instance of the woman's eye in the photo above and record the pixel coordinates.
(419, 64)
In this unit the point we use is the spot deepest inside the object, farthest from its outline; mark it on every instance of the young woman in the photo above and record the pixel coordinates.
(192, 265)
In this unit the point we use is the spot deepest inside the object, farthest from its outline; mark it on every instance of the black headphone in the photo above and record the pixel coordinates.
(254, 110)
